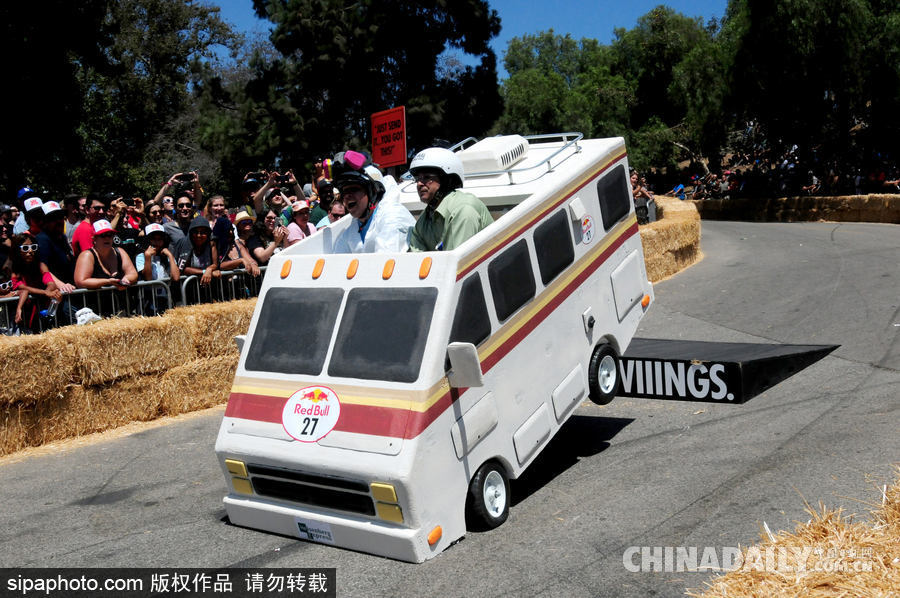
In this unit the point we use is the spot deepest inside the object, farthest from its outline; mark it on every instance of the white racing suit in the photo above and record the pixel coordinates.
(388, 229)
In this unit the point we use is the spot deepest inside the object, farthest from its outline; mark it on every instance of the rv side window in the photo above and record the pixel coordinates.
(553, 246)
(512, 279)
(471, 323)
(293, 330)
(382, 334)
(615, 201)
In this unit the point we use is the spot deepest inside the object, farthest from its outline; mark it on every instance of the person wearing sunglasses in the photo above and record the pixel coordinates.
(32, 279)
(178, 228)
(83, 239)
(104, 265)
(451, 216)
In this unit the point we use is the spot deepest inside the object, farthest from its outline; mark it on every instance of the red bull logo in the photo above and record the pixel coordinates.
(311, 413)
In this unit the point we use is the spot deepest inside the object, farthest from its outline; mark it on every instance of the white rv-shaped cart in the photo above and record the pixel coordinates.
(382, 401)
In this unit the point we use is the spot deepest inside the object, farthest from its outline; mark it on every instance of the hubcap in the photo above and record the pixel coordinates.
(607, 374)
(494, 494)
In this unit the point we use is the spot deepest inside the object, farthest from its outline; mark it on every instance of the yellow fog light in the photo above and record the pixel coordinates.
(383, 492)
(242, 486)
(388, 512)
(236, 468)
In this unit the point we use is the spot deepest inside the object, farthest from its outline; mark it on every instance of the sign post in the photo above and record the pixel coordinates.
(389, 137)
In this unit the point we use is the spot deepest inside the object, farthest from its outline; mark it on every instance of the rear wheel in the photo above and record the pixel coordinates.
(487, 505)
(603, 374)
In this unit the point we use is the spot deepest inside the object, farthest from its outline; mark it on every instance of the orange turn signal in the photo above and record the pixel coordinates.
(435, 535)
(645, 301)
(425, 268)
(317, 269)
(352, 268)
(286, 269)
(388, 269)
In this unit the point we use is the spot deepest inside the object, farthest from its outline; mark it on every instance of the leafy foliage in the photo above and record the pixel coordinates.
(335, 64)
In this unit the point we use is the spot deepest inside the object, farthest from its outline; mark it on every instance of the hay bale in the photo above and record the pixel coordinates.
(120, 347)
(862, 557)
(197, 385)
(673, 243)
(36, 367)
(213, 326)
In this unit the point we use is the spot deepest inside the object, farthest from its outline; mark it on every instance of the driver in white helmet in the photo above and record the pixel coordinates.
(380, 222)
(451, 216)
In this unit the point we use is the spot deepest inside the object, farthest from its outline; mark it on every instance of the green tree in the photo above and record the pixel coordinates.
(104, 85)
(335, 64)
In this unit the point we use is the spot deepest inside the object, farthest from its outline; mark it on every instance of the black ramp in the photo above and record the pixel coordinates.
(712, 372)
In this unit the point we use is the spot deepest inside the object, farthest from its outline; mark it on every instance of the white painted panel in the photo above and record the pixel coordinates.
(569, 392)
(474, 425)
(627, 285)
(530, 435)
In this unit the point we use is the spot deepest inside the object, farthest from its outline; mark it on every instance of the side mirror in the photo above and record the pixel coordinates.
(465, 367)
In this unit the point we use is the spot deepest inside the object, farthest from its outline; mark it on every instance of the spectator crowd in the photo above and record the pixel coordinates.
(48, 249)
(757, 171)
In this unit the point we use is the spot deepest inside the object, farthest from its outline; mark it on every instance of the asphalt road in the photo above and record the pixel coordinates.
(634, 473)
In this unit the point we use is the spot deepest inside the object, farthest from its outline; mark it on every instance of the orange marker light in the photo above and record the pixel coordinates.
(388, 269)
(435, 535)
(645, 301)
(352, 268)
(425, 268)
(286, 269)
(317, 269)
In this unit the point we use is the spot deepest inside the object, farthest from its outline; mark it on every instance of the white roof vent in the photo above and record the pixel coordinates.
(493, 154)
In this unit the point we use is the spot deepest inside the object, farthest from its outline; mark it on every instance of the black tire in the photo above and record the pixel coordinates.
(603, 375)
(487, 504)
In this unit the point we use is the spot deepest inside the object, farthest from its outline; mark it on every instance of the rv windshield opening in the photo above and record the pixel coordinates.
(294, 330)
(382, 334)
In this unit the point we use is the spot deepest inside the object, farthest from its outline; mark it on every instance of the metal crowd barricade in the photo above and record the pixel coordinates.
(231, 284)
(145, 298)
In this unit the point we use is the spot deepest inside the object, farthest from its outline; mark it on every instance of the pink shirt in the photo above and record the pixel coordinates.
(295, 233)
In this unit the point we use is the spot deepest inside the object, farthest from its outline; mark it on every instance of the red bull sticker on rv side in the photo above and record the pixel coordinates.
(587, 230)
(311, 413)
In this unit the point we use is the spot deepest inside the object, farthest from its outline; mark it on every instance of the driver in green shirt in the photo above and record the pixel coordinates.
(451, 216)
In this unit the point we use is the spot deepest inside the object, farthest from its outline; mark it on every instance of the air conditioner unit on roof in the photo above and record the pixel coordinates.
(493, 154)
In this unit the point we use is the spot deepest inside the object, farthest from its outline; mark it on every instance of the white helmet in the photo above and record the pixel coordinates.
(438, 158)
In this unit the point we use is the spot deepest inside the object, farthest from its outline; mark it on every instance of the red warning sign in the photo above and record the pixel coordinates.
(389, 137)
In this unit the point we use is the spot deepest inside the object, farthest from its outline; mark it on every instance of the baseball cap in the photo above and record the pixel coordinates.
(50, 207)
(154, 228)
(102, 226)
(300, 204)
(25, 193)
(33, 203)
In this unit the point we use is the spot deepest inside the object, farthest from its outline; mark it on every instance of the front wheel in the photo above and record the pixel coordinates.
(603, 374)
(487, 505)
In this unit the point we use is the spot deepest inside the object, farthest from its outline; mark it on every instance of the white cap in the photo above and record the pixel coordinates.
(50, 207)
(33, 203)
(154, 228)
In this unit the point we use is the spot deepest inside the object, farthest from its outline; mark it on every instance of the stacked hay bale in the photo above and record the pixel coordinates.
(881, 208)
(672, 243)
(82, 379)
